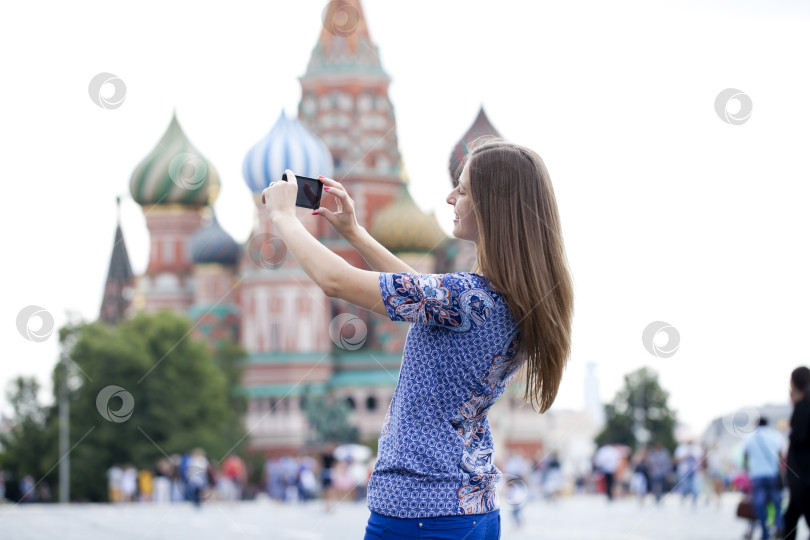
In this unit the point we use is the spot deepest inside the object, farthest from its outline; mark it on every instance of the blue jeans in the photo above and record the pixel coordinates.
(466, 527)
(767, 488)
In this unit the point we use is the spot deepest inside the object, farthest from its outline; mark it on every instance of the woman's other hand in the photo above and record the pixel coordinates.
(343, 219)
(279, 197)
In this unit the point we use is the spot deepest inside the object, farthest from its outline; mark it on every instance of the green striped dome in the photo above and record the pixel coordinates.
(174, 173)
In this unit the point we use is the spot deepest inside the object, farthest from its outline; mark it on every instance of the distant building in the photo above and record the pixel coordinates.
(593, 401)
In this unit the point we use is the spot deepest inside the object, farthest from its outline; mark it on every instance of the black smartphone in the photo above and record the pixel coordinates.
(309, 192)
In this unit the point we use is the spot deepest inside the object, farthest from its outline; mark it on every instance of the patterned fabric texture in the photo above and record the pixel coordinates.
(435, 447)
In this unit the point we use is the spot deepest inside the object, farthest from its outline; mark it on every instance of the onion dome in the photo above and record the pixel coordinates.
(211, 244)
(174, 173)
(481, 126)
(288, 145)
(403, 227)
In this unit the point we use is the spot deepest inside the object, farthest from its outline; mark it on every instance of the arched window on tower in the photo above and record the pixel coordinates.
(350, 402)
(371, 403)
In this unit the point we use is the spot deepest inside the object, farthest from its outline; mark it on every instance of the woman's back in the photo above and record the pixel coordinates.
(435, 448)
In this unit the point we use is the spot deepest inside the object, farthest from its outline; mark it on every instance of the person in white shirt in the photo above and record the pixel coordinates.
(762, 460)
(607, 459)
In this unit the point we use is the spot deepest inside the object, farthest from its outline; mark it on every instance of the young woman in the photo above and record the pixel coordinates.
(435, 476)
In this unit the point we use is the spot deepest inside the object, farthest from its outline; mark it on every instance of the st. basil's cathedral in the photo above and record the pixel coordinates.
(296, 338)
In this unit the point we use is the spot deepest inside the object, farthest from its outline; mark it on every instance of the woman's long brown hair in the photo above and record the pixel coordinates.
(522, 255)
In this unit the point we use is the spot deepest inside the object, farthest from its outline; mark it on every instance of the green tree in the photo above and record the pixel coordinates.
(26, 447)
(639, 413)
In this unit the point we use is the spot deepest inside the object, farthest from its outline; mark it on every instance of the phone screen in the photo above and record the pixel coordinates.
(309, 192)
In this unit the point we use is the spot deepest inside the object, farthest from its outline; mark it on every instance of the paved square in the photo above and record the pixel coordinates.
(581, 517)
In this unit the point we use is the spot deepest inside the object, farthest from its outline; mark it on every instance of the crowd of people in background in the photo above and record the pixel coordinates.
(188, 477)
(651, 471)
(193, 477)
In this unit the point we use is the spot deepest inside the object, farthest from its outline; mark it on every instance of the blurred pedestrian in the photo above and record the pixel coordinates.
(327, 479)
(798, 457)
(114, 475)
(274, 478)
(197, 476)
(145, 485)
(639, 481)
(233, 479)
(659, 466)
(715, 473)
(688, 456)
(163, 482)
(607, 460)
(27, 493)
(553, 481)
(129, 483)
(762, 459)
(307, 483)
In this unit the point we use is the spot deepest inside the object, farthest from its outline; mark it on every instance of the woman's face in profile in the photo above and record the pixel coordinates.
(464, 225)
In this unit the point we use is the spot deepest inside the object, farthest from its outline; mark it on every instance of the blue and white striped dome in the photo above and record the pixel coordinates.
(289, 145)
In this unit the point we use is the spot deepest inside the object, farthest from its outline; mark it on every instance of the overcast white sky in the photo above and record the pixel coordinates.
(668, 212)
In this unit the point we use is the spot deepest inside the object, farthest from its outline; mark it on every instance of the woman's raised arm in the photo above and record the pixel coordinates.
(345, 223)
(336, 277)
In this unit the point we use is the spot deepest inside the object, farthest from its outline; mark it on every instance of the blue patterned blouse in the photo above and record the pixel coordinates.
(435, 448)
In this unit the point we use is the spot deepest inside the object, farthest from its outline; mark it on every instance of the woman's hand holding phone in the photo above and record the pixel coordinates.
(279, 197)
(343, 219)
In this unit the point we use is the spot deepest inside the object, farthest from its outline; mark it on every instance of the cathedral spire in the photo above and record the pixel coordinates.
(345, 43)
(120, 278)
